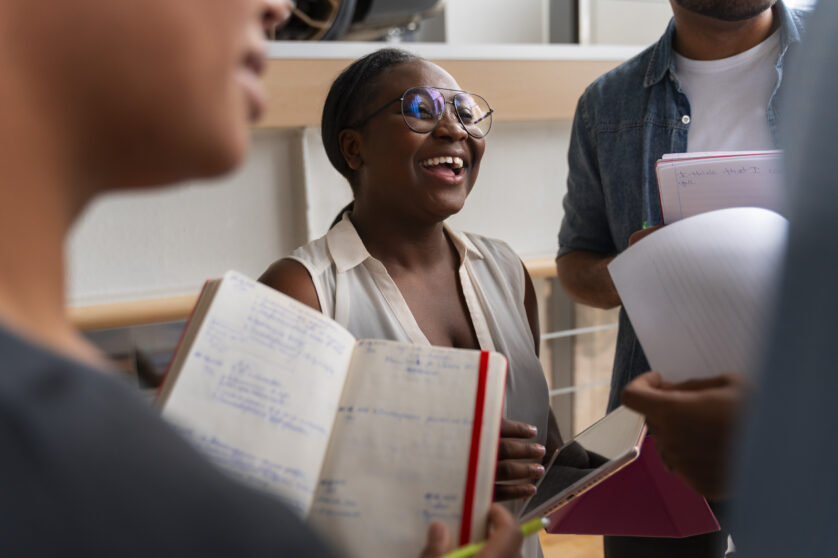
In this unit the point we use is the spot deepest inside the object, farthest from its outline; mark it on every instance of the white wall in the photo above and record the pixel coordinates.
(623, 22)
(166, 242)
(496, 21)
(615, 22)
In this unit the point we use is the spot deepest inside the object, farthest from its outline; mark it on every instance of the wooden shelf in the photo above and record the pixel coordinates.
(169, 309)
(522, 83)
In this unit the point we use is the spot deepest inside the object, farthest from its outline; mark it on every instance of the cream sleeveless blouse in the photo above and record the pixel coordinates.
(357, 291)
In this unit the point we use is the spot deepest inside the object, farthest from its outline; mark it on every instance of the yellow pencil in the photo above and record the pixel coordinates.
(529, 528)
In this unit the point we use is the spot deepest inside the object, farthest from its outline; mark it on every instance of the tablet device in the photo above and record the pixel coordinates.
(594, 455)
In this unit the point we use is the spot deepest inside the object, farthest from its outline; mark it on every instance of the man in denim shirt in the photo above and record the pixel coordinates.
(727, 56)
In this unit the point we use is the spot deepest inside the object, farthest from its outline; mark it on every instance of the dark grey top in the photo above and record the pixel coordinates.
(89, 469)
(788, 491)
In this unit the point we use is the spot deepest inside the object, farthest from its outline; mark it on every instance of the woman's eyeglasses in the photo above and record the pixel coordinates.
(424, 107)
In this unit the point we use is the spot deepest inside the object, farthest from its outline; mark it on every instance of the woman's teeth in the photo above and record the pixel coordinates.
(455, 162)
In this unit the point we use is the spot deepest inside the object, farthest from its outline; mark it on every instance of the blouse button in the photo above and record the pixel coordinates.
(685, 119)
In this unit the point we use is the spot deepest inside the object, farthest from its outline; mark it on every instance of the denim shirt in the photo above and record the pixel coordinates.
(624, 122)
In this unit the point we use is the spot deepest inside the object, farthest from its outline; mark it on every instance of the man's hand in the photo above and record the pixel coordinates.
(637, 236)
(514, 447)
(504, 537)
(693, 424)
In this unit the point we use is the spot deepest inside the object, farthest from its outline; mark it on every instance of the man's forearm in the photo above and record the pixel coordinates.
(584, 276)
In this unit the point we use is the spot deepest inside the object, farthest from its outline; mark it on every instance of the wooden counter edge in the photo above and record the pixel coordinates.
(157, 310)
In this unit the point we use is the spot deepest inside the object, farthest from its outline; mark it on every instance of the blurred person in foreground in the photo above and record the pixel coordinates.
(142, 92)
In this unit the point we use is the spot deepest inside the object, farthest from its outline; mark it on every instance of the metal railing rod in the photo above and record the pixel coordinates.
(574, 389)
(577, 331)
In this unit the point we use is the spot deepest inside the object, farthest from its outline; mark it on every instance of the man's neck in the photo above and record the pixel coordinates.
(700, 37)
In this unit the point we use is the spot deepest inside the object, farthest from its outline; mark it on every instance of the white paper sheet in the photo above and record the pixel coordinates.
(700, 292)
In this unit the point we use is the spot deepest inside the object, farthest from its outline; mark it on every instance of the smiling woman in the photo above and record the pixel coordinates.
(410, 141)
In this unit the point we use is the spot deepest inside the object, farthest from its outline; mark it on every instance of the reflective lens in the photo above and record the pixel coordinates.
(474, 113)
(423, 108)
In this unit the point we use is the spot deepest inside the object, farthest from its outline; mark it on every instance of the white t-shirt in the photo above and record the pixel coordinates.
(729, 98)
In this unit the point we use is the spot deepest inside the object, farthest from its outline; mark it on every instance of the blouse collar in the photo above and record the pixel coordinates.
(348, 250)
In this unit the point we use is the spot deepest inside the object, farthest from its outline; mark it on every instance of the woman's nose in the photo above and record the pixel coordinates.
(449, 125)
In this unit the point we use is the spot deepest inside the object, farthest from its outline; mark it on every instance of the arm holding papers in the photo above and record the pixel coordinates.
(584, 277)
(586, 245)
(584, 274)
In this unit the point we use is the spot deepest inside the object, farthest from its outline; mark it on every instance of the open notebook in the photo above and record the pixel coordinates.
(370, 440)
(693, 183)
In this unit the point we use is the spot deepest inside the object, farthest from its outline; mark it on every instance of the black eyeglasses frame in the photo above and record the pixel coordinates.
(360, 122)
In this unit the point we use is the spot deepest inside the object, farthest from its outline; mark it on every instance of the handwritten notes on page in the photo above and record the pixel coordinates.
(370, 440)
(401, 437)
(693, 183)
(700, 292)
(259, 390)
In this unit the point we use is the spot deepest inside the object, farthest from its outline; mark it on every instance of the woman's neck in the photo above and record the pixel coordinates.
(402, 242)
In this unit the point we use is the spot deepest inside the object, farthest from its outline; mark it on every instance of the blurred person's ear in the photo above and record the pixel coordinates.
(275, 14)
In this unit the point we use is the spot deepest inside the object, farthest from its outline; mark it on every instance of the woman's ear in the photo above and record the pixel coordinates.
(350, 147)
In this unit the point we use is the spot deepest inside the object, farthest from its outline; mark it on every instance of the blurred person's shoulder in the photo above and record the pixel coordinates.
(89, 468)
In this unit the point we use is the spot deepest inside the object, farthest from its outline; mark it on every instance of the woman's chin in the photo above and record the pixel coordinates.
(447, 207)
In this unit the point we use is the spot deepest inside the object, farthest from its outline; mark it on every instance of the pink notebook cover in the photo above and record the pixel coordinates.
(643, 499)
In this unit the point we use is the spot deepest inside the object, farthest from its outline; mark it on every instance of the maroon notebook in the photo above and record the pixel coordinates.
(643, 499)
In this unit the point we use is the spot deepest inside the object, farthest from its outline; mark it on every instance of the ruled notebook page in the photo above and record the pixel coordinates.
(700, 292)
(259, 390)
(399, 454)
(690, 184)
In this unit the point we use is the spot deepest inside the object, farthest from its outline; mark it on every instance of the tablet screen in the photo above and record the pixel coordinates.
(599, 450)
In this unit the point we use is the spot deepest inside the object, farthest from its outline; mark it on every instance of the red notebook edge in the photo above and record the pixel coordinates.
(474, 453)
(658, 181)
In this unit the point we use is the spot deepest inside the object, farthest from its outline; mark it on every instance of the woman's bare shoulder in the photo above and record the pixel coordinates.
(292, 278)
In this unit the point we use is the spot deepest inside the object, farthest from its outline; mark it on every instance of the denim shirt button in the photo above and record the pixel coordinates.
(685, 119)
